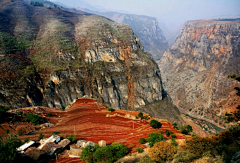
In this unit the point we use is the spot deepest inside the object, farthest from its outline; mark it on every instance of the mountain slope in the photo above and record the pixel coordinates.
(145, 27)
(195, 69)
(58, 56)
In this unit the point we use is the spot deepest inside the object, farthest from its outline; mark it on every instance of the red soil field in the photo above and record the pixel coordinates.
(88, 120)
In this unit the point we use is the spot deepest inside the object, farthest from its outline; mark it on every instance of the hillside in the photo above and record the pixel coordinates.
(50, 56)
(195, 69)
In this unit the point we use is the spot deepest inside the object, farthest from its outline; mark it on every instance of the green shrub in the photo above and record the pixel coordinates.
(167, 133)
(40, 136)
(49, 114)
(110, 109)
(155, 124)
(118, 150)
(140, 115)
(139, 150)
(184, 156)
(173, 135)
(142, 140)
(154, 138)
(62, 108)
(103, 154)
(186, 129)
(71, 137)
(87, 153)
(175, 126)
(146, 117)
(174, 143)
(8, 147)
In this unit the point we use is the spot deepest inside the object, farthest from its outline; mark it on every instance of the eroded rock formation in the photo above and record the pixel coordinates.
(195, 69)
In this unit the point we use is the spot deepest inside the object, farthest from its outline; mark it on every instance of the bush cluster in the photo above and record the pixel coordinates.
(107, 154)
(162, 152)
(155, 124)
(154, 138)
(224, 144)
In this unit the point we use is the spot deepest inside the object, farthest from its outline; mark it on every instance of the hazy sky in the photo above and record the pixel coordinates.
(171, 12)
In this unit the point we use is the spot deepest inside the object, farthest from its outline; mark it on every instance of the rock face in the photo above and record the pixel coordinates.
(195, 69)
(66, 55)
(146, 28)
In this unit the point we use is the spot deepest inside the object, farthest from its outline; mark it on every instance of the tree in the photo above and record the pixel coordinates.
(154, 138)
(103, 154)
(8, 148)
(162, 152)
(155, 124)
(110, 109)
(87, 153)
(140, 115)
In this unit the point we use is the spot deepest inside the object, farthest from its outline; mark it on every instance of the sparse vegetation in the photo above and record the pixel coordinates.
(155, 124)
(35, 3)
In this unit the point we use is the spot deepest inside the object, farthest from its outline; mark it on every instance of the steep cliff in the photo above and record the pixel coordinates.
(51, 57)
(145, 27)
(195, 69)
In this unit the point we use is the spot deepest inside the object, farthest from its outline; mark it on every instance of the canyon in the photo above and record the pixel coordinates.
(195, 69)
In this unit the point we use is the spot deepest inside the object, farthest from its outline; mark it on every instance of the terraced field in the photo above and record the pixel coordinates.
(92, 122)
